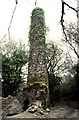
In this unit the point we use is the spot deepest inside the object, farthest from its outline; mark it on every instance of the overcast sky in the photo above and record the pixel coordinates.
(20, 24)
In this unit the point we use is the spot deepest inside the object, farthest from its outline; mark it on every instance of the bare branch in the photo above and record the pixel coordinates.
(12, 19)
(3, 37)
(73, 48)
(70, 7)
(63, 12)
(35, 2)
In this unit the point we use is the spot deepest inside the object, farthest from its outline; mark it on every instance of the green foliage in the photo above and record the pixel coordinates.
(37, 27)
(37, 38)
(54, 83)
(12, 71)
(37, 35)
(70, 90)
(67, 91)
(76, 81)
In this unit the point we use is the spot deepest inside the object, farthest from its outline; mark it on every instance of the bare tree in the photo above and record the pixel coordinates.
(70, 33)
(58, 62)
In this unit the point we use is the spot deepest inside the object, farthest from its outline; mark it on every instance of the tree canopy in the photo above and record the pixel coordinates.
(12, 71)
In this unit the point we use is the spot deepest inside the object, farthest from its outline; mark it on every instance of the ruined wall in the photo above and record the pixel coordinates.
(37, 68)
(37, 71)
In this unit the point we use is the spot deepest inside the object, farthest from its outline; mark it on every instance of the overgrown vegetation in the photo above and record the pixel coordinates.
(13, 60)
(37, 37)
(63, 74)
(12, 72)
(37, 27)
(71, 88)
(37, 59)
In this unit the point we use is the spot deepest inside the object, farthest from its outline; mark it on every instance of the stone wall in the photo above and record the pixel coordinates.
(37, 67)
(37, 71)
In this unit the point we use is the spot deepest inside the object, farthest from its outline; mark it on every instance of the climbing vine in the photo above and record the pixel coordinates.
(37, 27)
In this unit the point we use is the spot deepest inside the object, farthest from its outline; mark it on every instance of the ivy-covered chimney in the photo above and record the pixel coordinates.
(37, 71)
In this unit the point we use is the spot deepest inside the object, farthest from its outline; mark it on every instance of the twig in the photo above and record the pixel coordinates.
(63, 3)
(73, 48)
(70, 7)
(11, 20)
(63, 27)
(35, 2)
(3, 37)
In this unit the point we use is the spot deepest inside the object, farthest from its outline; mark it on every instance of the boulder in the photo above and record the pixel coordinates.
(11, 106)
(32, 98)
(14, 107)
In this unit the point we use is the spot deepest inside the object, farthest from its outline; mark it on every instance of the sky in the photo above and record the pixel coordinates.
(21, 20)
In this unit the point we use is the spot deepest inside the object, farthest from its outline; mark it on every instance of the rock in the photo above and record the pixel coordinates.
(41, 112)
(32, 110)
(37, 103)
(14, 107)
(47, 110)
(36, 108)
(11, 106)
(31, 96)
(9, 96)
(35, 92)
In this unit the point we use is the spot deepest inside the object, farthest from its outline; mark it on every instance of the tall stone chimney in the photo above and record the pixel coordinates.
(37, 71)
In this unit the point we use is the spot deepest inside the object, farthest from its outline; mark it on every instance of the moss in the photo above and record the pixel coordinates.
(36, 86)
(37, 78)
(38, 83)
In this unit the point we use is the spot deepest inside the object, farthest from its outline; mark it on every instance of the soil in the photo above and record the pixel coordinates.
(61, 110)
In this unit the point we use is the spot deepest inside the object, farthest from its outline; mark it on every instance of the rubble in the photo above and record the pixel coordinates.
(36, 108)
(41, 112)
(47, 110)
(32, 98)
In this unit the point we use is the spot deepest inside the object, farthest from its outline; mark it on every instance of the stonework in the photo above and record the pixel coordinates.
(37, 71)
(37, 67)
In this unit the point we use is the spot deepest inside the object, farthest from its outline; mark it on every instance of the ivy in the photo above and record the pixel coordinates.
(37, 28)
(37, 39)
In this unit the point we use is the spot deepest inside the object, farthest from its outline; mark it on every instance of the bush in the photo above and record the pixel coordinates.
(12, 72)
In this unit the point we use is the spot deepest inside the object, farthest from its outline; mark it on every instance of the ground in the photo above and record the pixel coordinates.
(61, 110)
